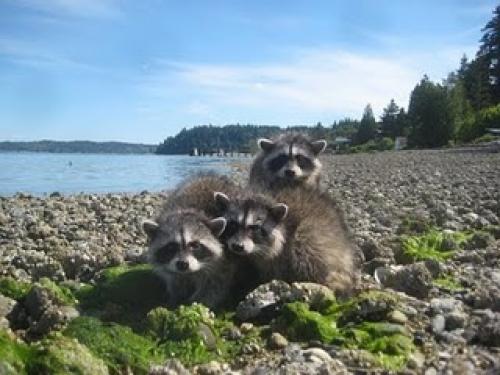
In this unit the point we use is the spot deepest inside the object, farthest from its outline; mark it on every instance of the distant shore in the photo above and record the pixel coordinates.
(87, 147)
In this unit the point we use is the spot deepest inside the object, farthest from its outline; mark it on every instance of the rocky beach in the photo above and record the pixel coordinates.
(76, 297)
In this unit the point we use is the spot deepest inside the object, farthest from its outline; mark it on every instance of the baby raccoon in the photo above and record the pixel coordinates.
(302, 239)
(186, 253)
(183, 243)
(288, 160)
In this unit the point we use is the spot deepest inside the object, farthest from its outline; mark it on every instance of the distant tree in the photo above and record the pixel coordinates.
(476, 81)
(391, 125)
(489, 53)
(460, 107)
(367, 127)
(430, 115)
(345, 128)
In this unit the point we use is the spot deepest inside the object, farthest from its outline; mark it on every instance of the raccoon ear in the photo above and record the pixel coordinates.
(279, 211)
(265, 144)
(150, 227)
(221, 199)
(217, 225)
(318, 146)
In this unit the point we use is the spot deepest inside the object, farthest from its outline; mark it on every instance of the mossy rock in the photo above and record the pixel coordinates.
(121, 349)
(13, 355)
(194, 335)
(12, 288)
(123, 294)
(60, 295)
(303, 324)
(432, 245)
(447, 282)
(63, 355)
(386, 344)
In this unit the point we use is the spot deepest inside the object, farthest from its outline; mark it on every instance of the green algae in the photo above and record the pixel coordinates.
(19, 289)
(62, 355)
(433, 245)
(359, 323)
(306, 325)
(123, 294)
(60, 294)
(12, 288)
(195, 335)
(13, 355)
(447, 282)
(121, 349)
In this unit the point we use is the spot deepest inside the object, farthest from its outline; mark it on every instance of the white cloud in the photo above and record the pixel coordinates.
(80, 8)
(312, 84)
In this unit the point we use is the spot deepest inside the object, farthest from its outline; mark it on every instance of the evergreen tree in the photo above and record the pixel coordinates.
(461, 109)
(430, 115)
(390, 123)
(367, 127)
(489, 50)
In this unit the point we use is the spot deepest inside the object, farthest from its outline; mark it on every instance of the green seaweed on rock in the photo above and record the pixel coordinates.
(12, 288)
(123, 294)
(13, 355)
(433, 245)
(61, 355)
(121, 349)
(194, 335)
(358, 323)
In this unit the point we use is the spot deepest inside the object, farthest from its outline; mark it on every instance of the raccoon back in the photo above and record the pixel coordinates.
(319, 247)
(198, 193)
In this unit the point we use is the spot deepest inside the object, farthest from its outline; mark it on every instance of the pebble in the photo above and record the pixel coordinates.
(438, 323)
(398, 317)
(277, 341)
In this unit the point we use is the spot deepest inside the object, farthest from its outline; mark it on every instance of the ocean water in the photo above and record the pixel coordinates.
(44, 173)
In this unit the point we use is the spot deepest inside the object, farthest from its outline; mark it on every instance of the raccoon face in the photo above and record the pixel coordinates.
(291, 158)
(254, 226)
(184, 243)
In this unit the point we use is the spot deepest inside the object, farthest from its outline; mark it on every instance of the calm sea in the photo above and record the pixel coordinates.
(44, 173)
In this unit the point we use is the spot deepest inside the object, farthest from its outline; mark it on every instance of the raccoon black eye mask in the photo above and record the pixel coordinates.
(167, 252)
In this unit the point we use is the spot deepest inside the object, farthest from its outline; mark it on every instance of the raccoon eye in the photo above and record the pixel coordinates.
(257, 229)
(167, 252)
(278, 162)
(200, 251)
(304, 162)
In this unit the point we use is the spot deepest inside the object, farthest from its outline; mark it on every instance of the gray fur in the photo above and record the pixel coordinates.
(292, 145)
(310, 243)
(188, 219)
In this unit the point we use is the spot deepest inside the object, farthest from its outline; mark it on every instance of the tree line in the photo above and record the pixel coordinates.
(85, 147)
(460, 109)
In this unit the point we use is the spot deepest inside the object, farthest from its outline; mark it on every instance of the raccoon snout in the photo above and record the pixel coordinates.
(182, 265)
(237, 248)
(290, 173)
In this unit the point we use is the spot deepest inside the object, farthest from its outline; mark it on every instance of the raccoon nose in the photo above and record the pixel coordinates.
(182, 265)
(290, 173)
(237, 248)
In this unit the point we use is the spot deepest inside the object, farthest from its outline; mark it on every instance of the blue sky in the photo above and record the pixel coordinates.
(139, 71)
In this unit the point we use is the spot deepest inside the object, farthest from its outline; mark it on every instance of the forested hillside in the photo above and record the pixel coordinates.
(86, 147)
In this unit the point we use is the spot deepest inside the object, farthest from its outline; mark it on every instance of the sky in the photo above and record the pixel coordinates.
(139, 71)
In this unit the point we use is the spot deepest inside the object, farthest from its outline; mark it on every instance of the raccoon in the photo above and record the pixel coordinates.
(183, 243)
(299, 235)
(286, 161)
(185, 251)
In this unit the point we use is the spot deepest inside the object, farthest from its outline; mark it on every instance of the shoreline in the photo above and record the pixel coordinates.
(386, 198)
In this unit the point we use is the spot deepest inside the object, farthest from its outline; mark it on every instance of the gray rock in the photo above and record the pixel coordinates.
(263, 300)
(171, 367)
(6, 305)
(455, 319)
(277, 341)
(438, 323)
